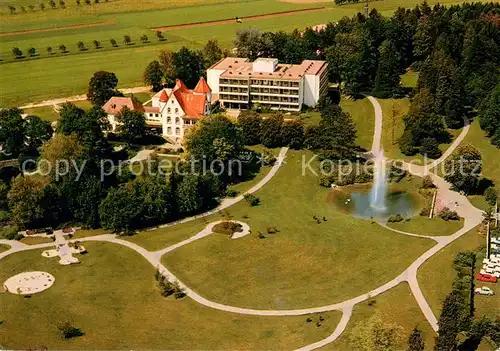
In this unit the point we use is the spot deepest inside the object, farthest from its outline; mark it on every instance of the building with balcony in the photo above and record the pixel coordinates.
(240, 83)
(173, 111)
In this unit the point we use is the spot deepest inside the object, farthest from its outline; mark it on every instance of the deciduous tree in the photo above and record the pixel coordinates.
(133, 125)
(463, 168)
(153, 75)
(102, 87)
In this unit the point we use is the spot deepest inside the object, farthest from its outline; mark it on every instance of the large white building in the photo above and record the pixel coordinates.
(239, 83)
(173, 110)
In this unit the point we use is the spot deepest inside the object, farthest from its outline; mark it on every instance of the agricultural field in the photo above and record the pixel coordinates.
(46, 75)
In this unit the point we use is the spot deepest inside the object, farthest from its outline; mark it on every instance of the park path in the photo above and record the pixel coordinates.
(472, 216)
(377, 132)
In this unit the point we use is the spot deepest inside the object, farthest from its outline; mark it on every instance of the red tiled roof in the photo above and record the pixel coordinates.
(202, 87)
(163, 96)
(179, 84)
(192, 104)
(116, 104)
(151, 109)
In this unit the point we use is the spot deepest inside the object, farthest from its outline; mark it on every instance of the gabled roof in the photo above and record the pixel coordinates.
(179, 85)
(202, 87)
(163, 96)
(117, 103)
(192, 104)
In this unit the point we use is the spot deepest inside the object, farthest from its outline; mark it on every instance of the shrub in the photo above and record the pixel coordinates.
(178, 293)
(231, 193)
(426, 211)
(68, 331)
(395, 218)
(166, 288)
(18, 237)
(228, 228)
(491, 195)
(251, 199)
(449, 215)
(427, 182)
(267, 158)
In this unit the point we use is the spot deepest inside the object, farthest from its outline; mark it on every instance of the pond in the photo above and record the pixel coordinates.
(356, 201)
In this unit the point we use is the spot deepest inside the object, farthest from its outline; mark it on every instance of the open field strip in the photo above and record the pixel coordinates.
(43, 30)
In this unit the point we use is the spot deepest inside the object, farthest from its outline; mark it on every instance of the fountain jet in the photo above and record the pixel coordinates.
(378, 193)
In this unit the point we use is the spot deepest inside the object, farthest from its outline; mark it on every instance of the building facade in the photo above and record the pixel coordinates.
(240, 83)
(173, 111)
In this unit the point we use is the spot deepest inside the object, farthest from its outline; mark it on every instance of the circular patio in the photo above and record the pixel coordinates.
(28, 283)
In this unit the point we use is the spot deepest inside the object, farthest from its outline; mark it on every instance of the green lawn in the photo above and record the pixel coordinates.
(305, 264)
(426, 226)
(489, 153)
(47, 113)
(35, 240)
(111, 295)
(395, 306)
(409, 79)
(437, 274)
(364, 116)
(4, 247)
(161, 238)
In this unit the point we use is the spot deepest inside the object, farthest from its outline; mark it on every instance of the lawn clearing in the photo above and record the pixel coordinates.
(112, 297)
(4, 247)
(305, 264)
(423, 225)
(393, 127)
(35, 240)
(395, 306)
(409, 79)
(47, 113)
(364, 117)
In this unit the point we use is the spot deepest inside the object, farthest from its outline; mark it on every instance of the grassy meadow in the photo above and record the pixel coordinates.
(112, 297)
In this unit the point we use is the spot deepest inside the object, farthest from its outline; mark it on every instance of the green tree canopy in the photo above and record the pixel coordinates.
(133, 125)
(463, 169)
(153, 75)
(102, 87)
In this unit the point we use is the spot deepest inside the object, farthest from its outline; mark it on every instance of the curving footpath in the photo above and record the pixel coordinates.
(464, 208)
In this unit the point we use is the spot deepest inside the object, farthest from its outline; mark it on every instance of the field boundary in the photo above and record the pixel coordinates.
(54, 29)
(232, 19)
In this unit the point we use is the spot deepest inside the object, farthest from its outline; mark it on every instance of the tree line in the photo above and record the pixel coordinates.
(455, 49)
(52, 4)
(458, 57)
(18, 54)
(185, 64)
